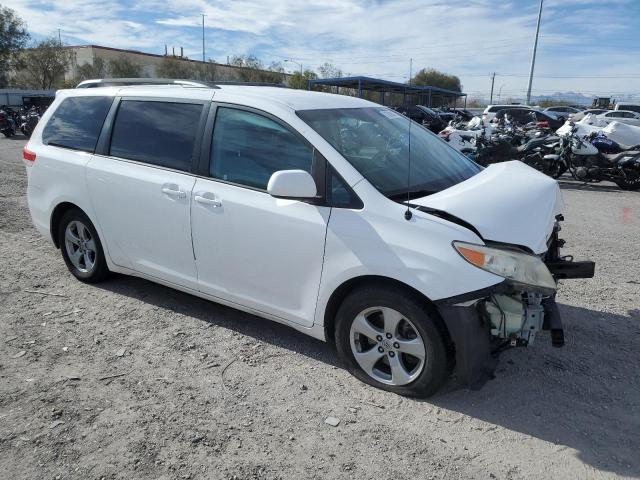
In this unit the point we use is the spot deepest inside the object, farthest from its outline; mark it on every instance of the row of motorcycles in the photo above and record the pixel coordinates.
(587, 153)
(23, 120)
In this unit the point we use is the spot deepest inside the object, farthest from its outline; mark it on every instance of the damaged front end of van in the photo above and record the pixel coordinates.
(520, 229)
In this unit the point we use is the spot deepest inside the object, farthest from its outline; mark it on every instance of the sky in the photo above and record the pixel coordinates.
(586, 46)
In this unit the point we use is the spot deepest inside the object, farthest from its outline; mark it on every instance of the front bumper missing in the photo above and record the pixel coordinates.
(476, 351)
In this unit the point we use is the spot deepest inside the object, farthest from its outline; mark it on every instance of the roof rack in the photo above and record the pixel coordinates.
(119, 82)
(251, 84)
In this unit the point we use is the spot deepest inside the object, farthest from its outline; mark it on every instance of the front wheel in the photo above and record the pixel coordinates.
(81, 248)
(391, 340)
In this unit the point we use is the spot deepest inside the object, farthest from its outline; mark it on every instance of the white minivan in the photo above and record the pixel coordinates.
(328, 213)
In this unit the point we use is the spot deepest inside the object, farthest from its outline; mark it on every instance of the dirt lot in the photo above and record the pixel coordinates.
(129, 379)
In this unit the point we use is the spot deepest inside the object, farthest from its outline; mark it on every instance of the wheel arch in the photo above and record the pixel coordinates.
(340, 293)
(56, 216)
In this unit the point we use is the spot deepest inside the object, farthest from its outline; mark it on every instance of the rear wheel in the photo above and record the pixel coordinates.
(389, 339)
(631, 180)
(81, 248)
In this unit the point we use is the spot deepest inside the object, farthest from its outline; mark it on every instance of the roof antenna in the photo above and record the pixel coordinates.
(408, 215)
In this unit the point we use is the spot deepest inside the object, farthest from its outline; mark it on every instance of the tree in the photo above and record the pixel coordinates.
(174, 68)
(207, 72)
(328, 70)
(301, 82)
(434, 78)
(13, 38)
(250, 67)
(123, 67)
(88, 71)
(44, 65)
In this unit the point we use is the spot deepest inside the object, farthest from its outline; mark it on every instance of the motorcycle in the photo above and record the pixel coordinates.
(588, 164)
(28, 121)
(7, 123)
(530, 146)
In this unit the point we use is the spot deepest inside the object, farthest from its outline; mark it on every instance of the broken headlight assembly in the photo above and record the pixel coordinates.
(518, 268)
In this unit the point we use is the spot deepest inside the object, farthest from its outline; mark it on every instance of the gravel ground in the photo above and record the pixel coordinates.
(128, 379)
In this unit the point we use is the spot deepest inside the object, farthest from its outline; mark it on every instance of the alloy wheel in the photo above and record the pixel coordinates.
(80, 245)
(387, 346)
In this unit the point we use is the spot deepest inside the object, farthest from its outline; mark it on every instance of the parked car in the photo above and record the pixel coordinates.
(455, 114)
(491, 111)
(623, 116)
(424, 115)
(522, 116)
(302, 208)
(576, 117)
(634, 107)
(561, 112)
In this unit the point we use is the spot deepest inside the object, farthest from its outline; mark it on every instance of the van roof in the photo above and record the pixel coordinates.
(294, 99)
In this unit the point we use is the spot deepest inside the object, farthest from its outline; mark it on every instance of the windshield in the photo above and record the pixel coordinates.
(376, 142)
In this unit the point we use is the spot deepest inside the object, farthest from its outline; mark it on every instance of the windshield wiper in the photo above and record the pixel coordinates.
(411, 194)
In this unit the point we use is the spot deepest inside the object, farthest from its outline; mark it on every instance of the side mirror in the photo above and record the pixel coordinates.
(292, 184)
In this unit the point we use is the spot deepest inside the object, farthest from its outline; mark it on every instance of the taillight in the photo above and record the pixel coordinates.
(28, 155)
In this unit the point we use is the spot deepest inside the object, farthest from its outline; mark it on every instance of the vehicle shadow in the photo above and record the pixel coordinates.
(216, 314)
(585, 396)
(17, 136)
(568, 183)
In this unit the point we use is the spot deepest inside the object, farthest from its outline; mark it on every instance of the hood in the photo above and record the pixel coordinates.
(507, 202)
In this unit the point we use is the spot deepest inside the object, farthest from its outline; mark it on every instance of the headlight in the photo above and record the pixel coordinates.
(515, 266)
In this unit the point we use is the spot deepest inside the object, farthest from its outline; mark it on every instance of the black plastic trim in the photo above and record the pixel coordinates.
(447, 216)
(565, 269)
(502, 287)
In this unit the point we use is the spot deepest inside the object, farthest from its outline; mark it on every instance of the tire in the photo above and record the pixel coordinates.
(81, 250)
(631, 180)
(375, 304)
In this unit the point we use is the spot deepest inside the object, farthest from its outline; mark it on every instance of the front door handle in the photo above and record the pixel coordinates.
(207, 199)
(173, 190)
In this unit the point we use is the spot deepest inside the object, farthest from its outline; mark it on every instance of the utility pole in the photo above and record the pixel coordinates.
(59, 37)
(410, 69)
(203, 15)
(533, 57)
(290, 60)
(493, 79)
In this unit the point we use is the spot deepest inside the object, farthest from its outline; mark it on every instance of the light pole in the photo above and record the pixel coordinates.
(533, 57)
(500, 91)
(203, 15)
(297, 63)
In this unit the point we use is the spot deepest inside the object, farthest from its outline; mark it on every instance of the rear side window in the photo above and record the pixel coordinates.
(77, 122)
(159, 133)
(248, 148)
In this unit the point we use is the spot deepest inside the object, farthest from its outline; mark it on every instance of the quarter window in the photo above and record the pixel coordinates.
(77, 122)
(159, 133)
(248, 148)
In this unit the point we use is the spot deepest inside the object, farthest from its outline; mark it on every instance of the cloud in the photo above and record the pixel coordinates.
(470, 38)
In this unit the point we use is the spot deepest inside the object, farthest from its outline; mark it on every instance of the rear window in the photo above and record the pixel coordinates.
(77, 122)
(633, 108)
(497, 108)
(159, 133)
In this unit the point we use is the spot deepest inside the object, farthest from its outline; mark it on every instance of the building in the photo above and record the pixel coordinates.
(149, 62)
(13, 97)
